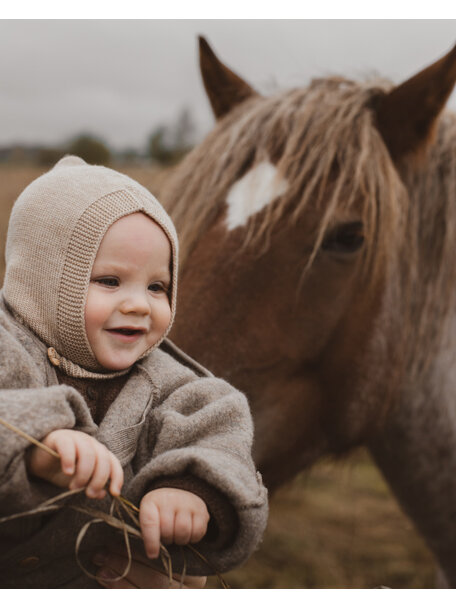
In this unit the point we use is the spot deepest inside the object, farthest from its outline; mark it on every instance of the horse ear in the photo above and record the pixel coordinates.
(407, 115)
(223, 87)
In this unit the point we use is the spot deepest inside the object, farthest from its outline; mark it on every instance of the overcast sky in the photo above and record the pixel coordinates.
(119, 79)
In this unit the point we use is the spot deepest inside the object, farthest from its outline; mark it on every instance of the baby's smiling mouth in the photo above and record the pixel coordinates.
(126, 331)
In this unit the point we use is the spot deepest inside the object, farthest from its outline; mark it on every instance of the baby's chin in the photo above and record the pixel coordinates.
(117, 366)
(115, 363)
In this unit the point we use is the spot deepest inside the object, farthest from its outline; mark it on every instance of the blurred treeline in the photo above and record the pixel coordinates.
(165, 146)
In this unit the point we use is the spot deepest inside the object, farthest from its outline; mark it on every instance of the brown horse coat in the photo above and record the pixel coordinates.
(320, 223)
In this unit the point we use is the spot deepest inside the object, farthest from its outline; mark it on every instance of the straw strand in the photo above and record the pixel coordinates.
(25, 435)
(118, 504)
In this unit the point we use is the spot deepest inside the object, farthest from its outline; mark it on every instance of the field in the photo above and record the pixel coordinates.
(335, 527)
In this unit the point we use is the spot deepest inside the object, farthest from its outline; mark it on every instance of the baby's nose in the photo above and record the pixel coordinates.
(136, 302)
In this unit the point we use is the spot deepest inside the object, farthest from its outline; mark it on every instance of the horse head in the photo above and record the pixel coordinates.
(294, 219)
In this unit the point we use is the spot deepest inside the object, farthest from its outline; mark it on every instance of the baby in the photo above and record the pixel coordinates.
(85, 367)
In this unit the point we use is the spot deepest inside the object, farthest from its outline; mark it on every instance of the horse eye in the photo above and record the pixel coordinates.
(346, 238)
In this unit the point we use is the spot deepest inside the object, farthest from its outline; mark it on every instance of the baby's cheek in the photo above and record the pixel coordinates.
(96, 311)
(165, 316)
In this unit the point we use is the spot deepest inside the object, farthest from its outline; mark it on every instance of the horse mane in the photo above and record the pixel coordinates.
(323, 141)
(431, 237)
(314, 137)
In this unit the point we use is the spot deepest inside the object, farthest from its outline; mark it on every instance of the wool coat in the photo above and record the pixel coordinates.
(172, 420)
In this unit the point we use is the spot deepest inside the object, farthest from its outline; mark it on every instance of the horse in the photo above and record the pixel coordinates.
(317, 230)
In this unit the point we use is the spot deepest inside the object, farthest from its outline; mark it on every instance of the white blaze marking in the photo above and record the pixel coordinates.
(253, 192)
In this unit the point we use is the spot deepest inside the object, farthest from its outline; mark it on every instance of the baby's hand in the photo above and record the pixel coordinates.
(84, 461)
(172, 516)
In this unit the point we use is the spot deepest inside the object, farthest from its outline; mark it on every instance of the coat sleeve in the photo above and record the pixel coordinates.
(35, 409)
(203, 429)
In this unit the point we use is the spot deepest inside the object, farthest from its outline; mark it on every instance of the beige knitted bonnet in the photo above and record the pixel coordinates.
(55, 230)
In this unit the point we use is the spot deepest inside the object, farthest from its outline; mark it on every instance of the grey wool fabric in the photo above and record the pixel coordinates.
(171, 423)
(170, 420)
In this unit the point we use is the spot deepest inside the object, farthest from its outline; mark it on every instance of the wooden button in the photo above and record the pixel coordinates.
(52, 354)
(29, 562)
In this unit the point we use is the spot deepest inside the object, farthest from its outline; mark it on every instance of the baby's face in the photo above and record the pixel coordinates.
(127, 308)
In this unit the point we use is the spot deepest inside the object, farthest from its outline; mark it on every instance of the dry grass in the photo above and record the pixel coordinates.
(13, 180)
(337, 526)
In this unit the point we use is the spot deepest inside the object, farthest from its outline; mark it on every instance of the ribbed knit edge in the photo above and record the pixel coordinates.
(74, 283)
(76, 371)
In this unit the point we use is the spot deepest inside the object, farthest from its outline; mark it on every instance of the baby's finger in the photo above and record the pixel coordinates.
(67, 452)
(149, 520)
(182, 527)
(85, 464)
(100, 474)
(116, 475)
(199, 527)
(167, 517)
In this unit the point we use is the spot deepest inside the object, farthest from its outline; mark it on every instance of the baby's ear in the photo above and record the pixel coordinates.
(70, 161)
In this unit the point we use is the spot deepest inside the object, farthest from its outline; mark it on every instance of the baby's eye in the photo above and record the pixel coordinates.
(107, 281)
(157, 288)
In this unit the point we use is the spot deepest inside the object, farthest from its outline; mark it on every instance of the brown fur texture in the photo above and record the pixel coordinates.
(314, 136)
(301, 131)
(334, 347)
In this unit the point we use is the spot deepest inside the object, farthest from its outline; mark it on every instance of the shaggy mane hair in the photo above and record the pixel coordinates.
(313, 136)
(323, 140)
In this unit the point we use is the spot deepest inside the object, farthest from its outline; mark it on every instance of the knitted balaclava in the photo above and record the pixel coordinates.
(55, 230)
